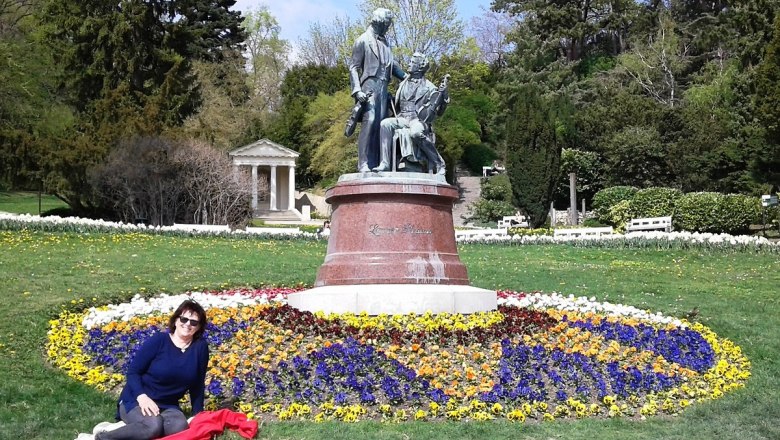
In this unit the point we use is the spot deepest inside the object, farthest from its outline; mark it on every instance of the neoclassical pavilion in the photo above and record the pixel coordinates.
(275, 163)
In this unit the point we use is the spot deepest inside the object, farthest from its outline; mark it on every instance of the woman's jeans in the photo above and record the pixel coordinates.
(141, 427)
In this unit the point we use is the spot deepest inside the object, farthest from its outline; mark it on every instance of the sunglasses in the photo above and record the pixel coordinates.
(193, 322)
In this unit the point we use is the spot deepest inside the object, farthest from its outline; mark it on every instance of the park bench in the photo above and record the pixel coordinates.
(467, 234)
(650, 224)
(583, 232)
(513, 221)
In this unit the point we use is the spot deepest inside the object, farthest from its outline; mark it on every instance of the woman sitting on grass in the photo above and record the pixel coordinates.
(167, 365)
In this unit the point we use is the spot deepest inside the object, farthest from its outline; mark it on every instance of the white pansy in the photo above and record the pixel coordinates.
(165, 303)
(543, 301)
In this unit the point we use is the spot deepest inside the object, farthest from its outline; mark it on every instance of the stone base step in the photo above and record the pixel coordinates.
(394, 299)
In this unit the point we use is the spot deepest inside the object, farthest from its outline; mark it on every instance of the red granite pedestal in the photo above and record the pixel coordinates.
(392, 249)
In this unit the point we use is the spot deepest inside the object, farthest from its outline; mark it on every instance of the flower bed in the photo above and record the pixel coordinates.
(538, 357)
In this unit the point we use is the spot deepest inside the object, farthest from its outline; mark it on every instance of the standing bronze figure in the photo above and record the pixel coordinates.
(370, 71)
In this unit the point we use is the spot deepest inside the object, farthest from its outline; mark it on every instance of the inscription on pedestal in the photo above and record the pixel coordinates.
(392, 231)
(378, 230)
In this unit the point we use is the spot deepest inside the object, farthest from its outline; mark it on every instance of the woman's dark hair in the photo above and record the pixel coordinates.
(191, 306)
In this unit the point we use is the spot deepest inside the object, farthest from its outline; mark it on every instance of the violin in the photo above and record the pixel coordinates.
(430, 110)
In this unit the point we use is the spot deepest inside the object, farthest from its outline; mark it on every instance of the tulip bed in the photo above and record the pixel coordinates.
(539, 357)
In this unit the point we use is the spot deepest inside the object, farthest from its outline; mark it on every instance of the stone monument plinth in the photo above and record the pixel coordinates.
(392, 249)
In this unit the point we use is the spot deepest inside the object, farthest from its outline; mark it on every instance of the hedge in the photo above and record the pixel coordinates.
(654, 202)
(609, 197)
(700, 212)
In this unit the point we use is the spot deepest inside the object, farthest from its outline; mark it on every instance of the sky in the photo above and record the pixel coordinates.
(294, 16)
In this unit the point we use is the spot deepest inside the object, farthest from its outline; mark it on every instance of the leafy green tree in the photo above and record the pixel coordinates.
(588, 167)
(333, 153)
(147, 46)
(638, 157)
(267, 53)
(304, 82)
(711, 146)
(227, 109)
(329, 44)
(288, 125)
(465, 122)
(428, 26)
(31, 113)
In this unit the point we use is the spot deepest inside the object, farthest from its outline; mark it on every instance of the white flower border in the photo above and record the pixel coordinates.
(103, 225)
(692, 238)
(164, 303)
(671, 237)
(582, 304)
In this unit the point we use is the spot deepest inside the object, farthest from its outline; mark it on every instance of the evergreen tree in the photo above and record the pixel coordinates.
(535, 137)
(576, 29)
(766, 161)
(127, 70)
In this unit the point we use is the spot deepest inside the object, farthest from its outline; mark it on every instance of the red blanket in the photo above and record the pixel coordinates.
(207, 423)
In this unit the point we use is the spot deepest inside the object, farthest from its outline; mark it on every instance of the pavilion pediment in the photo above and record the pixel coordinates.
(263, 148)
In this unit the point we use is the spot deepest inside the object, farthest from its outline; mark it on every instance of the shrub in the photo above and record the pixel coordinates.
(716, 213)
(476, 156)
(530, 232)
(697, 212)
(60, 212)
(654, 202)
(737, 212)
(618, 215)
(495, 200)
(497, 188)
(484, 210)
(593, 223)
(605, 199)
(162, 181)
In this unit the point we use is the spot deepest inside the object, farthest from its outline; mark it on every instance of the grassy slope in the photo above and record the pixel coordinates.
(27, 202)
(736, 295)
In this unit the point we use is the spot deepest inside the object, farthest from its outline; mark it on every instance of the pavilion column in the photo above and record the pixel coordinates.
(254, 187)
(291, 189)
(273, 188)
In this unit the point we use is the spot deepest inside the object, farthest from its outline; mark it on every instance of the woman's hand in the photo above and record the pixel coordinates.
(147, 405)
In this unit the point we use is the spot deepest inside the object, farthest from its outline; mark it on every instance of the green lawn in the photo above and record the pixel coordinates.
(736, 294)
(27, 202)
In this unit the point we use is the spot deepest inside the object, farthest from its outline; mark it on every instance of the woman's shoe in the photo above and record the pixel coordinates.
(107, 426)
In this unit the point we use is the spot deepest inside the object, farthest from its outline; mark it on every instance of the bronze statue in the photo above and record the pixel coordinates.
(418, 102)
(370, 69)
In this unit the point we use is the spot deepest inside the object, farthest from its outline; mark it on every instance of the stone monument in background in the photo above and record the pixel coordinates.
(392, 242)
